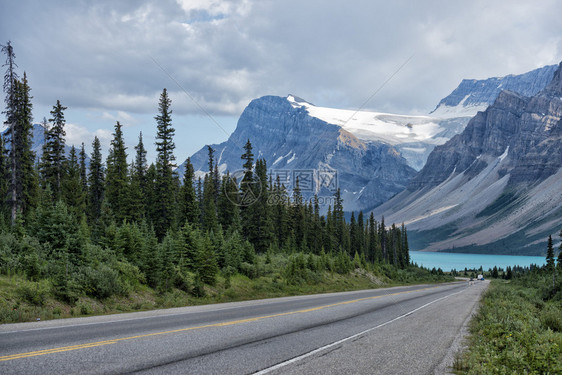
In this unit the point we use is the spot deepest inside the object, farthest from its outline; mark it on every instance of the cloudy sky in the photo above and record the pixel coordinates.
(110, 60)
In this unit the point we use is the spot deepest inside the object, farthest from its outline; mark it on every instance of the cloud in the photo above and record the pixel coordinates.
(77, 134)
(225, 53)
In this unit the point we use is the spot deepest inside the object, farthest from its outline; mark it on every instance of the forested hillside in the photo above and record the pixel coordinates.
(114, 225)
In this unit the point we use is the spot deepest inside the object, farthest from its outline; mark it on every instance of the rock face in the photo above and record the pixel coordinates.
(295, 144)
(472, 93)
(496, 187)
(373, 153)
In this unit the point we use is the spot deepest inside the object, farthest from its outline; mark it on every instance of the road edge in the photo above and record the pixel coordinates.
(460, 343)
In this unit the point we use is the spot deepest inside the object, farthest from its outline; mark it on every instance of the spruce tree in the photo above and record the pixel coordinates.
(297, 222)
(116, 188)
(188, 205)
(165, 195)
(280, 213)
(53, 152)
(26, 179)
(83, 169)
(338, 217)
(260, 228)
(96, 179)
(150, 193)
(138, 194)
(210, 220)
(4, 178)
(383, 240)
(550, 253)
(248, 190)
(10, 78)
(227, 205)
(559, 261)
(406, 247)
(71, 186)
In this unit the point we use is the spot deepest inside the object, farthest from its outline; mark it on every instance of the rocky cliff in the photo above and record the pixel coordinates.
(296, 144)
(474, 94)
(496, 187)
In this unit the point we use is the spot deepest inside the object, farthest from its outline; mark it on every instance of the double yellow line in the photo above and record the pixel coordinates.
(224, 324)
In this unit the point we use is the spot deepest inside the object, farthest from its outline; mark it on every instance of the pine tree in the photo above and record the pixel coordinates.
(374, 253)
(138, 194)
(260, 229)
(188, 206)
(10, 78)
(83, 169)
(96, 178)
(165, 194)
(382, 236)
(116, 189)
(210, 220)
(53, 152)
(71, 186)
(150, 194)
(559, 261)
(227, 205)
(406, 247)
(248, 190)
(338, 217)
(280, 213)
(4, 178)
(26, 179)
(296, 221)
(550, 253)
(360, 234)
(353, 234)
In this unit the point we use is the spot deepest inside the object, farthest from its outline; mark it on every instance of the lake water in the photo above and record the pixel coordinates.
(458, 261)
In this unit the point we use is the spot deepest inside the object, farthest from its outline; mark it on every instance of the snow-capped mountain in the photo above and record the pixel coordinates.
(376, 154)
(474, 95)
(495, 188)
(296, 144)
(413, 136)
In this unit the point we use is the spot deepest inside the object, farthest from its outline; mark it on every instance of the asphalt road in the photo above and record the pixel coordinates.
(399, 330)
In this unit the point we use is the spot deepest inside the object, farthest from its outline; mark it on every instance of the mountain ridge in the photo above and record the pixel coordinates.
(495, 187)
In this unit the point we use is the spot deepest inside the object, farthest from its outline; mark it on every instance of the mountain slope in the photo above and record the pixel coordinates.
(368, 149)
(495, 188)
(474, 95)
(294, 143)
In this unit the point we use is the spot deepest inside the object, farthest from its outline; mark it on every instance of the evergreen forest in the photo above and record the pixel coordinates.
(75, 225)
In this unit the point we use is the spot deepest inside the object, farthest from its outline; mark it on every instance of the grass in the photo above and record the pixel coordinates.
(518, 329)
(22, 300)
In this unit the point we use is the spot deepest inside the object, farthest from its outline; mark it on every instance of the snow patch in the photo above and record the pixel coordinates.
(504, 155)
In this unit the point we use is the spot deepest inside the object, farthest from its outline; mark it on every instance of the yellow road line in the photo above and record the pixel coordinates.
(224, 324)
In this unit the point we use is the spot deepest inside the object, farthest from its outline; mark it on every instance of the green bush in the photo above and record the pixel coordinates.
(102, 282)
(33, 293)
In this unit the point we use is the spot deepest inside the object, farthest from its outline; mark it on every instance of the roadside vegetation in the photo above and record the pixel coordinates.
(518, 329)
(273, 275)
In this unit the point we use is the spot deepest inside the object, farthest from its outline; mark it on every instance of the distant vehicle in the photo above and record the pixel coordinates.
(480, 277)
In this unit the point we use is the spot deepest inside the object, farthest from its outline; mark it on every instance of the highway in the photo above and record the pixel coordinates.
(412, 329)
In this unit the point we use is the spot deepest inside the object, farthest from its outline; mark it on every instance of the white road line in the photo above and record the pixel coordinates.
(306, 355)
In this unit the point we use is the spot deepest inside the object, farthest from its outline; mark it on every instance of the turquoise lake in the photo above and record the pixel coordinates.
(458, 261)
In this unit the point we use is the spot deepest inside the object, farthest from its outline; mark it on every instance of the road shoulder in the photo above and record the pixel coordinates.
(421, 343)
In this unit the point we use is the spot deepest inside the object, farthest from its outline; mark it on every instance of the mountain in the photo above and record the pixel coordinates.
(472, 95)
(375, 154)
(321, 154)
(494, 188)
(39, 140)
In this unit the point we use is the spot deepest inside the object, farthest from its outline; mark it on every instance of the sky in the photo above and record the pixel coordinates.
(108, 61)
